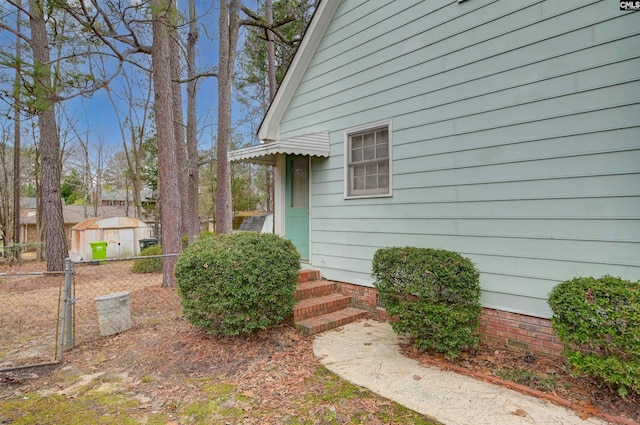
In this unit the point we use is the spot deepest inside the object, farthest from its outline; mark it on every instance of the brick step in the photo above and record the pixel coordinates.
(315, 288)
(325, 322)
(320, 305)
(307, 275)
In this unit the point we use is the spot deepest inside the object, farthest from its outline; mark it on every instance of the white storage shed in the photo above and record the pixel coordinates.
(122, 235)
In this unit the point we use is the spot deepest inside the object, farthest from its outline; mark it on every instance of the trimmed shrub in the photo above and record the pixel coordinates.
(431, 295)
(149, 265)
(237, 283)
(598, 320)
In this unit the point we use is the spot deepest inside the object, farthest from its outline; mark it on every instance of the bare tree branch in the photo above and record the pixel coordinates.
(90, 21)
(198, 76)
(259, 22)
(14, 32)
(93, 88)
(20, 7)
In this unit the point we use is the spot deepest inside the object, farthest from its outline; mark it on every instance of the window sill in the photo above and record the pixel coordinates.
(382, 195)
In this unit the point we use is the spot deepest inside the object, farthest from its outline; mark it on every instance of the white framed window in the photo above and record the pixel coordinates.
(368, 161)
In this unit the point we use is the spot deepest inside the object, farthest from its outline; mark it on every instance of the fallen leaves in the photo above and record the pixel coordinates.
(587, 411)
(519, 412)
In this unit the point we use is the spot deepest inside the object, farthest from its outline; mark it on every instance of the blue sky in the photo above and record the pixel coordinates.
(101, 120)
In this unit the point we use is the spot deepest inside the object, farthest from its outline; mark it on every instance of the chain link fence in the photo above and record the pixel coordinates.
(109, 297)
(30, 317)
(42, 313)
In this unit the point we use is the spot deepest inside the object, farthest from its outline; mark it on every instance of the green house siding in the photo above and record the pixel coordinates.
(516, 139)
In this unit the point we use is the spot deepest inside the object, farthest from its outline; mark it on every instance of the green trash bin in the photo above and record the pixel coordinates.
(99, 251)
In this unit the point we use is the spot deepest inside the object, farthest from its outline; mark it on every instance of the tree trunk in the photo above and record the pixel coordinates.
(133, 162)
(193, 209)
(39, 215)
(5, 194)
(271, 51)
(54, 235)
(271, 71)
(86, 175)
(98, 174)
(167, 161)
(16, 143)
(229, 22)
(178, 118)
(137, 182)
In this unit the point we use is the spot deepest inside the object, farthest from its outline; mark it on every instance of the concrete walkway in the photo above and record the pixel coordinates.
(367, 354)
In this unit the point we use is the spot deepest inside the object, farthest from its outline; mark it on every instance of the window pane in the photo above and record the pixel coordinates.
(358, 183)
(356, 155)
(300, 183)
(382, 136)
(371, 170)
(356, 141)
(369, 139)
(383, 167)
(358, 171)
(383, 181)
(382, 151)
(372, 182)
(369, 153)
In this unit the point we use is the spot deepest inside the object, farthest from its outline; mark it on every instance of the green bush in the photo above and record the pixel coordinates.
(237, 283)
(598, 320)
(431, 295)
(149, 265)
(207, 234)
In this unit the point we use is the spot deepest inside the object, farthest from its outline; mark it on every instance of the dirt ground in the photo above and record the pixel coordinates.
(164, 371)
(176, 374)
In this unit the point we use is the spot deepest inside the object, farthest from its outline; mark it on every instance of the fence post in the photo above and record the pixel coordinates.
(68, 303)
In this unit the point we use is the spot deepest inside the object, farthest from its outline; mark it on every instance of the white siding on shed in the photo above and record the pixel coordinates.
(516, 139)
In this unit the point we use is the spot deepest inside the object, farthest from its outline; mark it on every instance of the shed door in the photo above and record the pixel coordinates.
(297, 204)
(113, 243)
(128, 243)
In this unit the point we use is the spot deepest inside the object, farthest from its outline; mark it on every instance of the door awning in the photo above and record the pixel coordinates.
(314, 144)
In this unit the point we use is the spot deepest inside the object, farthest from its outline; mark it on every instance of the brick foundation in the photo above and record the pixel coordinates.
(512, 330)
(519, 331)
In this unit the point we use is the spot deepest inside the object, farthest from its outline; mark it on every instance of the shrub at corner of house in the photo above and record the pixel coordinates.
(238, 283)
(148, 265)
(598, 321)
(432, 295)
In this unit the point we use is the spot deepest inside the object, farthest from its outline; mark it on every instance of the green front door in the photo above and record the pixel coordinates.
(297, 204)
